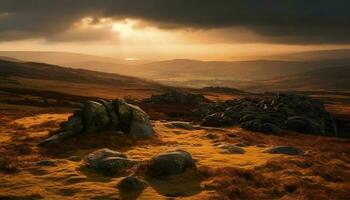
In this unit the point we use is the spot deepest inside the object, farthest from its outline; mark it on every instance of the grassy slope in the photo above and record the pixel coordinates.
(72, 81)
(334, 78)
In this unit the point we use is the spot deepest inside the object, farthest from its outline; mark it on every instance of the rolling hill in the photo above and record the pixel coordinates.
(195, 73)
(314, 55)
(71, 81)
(333, 78)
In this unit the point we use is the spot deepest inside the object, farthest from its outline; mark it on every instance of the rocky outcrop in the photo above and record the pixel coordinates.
(271, 114)
(104, 115)
(177, 98)
(170, 163)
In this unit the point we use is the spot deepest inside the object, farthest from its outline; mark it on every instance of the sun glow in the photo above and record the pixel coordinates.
(125, 28)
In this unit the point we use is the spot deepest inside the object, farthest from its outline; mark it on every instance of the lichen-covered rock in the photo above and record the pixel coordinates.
(140, 125)
(125, 115)
(93, 159)
(110, 108)
(170, 163)
(104, 115)
(284, 150)
(95, 117)
(108, 161)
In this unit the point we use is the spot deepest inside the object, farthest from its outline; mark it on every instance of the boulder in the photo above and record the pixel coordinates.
(284, 150)
(124, 112)
(271, 128)
(140, 125)
(303, 125)
(131, 184)
(170, 163)
(108, 161)
(110, 108)
(95, 117)
(253, 125)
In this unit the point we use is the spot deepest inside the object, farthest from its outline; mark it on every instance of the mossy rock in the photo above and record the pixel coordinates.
(95, 117)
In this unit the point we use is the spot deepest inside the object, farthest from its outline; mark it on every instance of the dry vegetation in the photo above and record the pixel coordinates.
(322, 173)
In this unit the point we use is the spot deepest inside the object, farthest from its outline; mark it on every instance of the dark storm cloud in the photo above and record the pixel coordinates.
(282, 21)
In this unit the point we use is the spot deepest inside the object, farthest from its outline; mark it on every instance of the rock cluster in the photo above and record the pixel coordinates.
(105, 115)
(178, 98)
(271, 115)
(165, 164)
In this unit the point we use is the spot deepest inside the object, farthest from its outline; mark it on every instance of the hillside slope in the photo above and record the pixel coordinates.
(72, 81)
(332, 78)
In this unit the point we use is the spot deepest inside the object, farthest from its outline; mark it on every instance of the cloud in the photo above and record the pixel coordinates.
(279, 21)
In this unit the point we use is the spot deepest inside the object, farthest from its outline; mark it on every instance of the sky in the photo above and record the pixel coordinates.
(169, 29)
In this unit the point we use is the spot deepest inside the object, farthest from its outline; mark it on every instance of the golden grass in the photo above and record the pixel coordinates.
(322, 173)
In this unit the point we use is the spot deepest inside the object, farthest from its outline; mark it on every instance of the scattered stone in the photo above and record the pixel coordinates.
(100, 116)
(284, 150)
(132, 184)
(170, 163)
(107, 160)
(232, 149)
